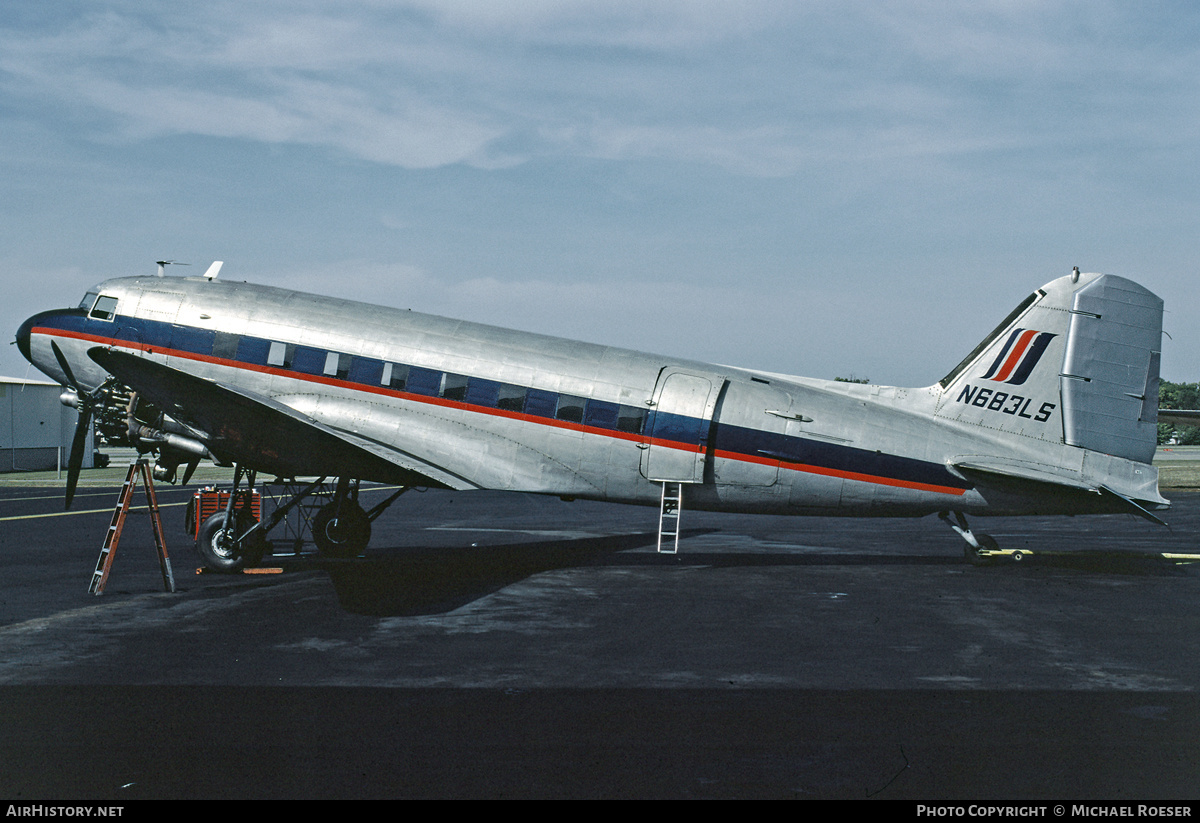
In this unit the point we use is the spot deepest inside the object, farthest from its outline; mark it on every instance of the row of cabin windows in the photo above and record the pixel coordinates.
(474, 391)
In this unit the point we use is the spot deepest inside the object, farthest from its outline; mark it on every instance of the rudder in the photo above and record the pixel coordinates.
(1110, 373)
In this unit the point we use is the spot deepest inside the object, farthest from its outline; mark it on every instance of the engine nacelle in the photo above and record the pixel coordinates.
(122, 419)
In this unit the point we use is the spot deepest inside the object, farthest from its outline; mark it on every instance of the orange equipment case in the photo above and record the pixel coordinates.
(208, 501)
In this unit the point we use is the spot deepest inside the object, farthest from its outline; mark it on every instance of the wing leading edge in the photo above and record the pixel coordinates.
(239, 426)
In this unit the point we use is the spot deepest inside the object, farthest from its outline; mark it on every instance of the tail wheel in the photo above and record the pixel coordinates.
(981, 556)
(341, 534)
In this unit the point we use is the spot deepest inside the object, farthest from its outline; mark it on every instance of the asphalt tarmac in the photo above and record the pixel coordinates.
(511, 646)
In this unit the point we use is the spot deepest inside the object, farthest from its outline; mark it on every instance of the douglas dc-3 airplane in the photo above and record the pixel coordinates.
(1053, 413)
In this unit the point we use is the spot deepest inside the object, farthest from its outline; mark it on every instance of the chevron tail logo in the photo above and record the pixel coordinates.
(1021, 352)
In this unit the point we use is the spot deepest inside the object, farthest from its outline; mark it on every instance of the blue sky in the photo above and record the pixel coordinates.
(819, 188)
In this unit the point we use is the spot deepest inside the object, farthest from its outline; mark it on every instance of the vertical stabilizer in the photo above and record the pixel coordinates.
(1075, 363)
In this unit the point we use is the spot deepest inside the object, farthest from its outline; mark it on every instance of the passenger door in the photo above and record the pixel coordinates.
(680, 425)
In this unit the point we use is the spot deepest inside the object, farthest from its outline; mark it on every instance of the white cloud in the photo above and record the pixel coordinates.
(897, 140)
(756, 88)
(798, 329)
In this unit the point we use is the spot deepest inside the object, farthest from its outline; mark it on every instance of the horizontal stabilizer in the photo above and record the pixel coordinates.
(1134, 506)
(998, 471)
(1179, 417)
(1024, 471)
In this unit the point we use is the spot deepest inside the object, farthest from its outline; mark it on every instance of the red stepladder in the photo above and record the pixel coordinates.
(140, 467)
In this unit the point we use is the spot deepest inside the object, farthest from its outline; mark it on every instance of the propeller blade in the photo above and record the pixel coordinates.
(77, 446)
(64, 365)
(187, 473)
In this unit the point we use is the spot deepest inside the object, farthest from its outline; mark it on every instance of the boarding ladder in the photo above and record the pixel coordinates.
(138, 467)
(668, 517)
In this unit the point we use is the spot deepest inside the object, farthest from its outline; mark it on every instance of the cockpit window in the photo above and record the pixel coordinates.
(88, 300)
(105, 308)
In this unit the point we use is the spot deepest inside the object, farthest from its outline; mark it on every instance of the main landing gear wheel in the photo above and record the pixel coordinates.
(341, 534)
(219, 548)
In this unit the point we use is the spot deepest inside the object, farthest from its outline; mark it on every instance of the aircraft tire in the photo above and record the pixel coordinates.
(344, 536)
(216, 546)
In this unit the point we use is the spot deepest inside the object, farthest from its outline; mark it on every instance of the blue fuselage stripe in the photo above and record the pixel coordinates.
(481, 395)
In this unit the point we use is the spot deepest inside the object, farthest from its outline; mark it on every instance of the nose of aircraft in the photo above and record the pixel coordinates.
(23, 338)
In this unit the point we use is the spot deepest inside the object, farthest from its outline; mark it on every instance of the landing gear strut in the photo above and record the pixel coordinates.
(220, 547)
(342, 528)
(232, 539)
(979, 549)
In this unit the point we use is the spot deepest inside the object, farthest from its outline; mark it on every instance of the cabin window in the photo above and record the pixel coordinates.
(105, 308)
(510, 397)
(185, 338)
(337, 365)
(278, 355)
(88, 300)
(156, 335)
(394, 376)
(454, 386)
(570, 408)
(631, 419)
(225, 345)
(601, 414)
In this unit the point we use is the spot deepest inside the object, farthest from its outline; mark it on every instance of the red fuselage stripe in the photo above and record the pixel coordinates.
(511, 415)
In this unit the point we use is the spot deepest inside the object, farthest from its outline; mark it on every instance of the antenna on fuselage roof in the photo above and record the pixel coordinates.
(162, 266)
(214, 268)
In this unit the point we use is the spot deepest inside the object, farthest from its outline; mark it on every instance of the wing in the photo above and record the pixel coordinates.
(245, 427)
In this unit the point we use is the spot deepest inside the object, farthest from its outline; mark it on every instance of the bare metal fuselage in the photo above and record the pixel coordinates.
(473, 406)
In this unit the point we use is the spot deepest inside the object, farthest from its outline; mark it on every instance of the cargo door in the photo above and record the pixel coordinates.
(754, 421)
(680, 426)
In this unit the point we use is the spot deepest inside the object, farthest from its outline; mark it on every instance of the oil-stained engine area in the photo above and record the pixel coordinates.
(124, 420)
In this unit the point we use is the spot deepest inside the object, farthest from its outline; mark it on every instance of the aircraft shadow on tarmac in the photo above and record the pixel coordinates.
(407, 582)
(410, 582)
